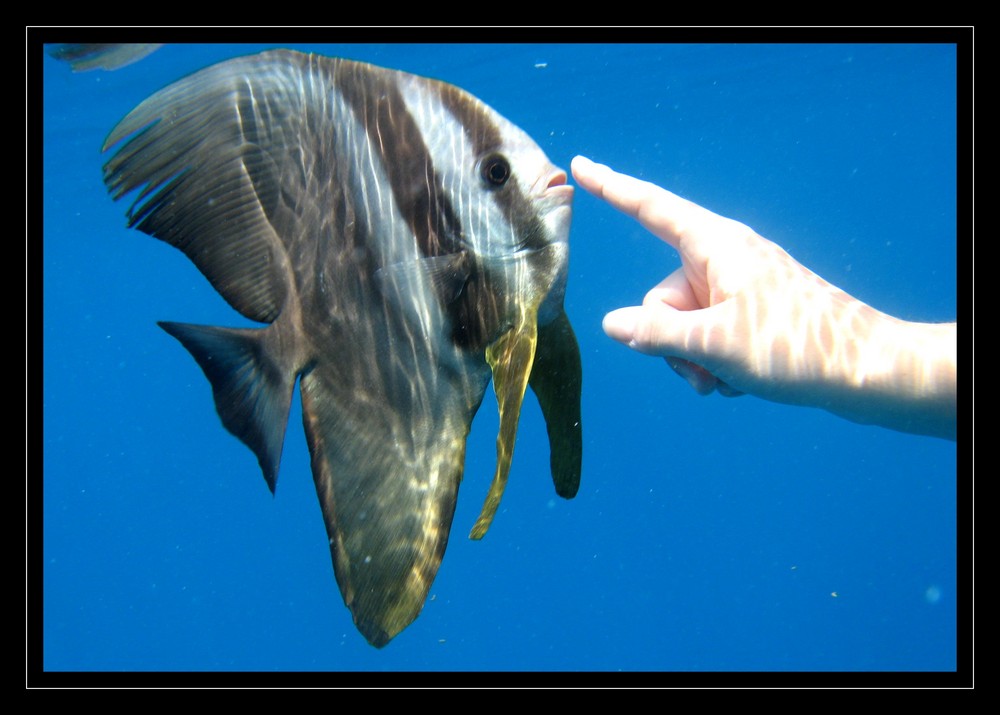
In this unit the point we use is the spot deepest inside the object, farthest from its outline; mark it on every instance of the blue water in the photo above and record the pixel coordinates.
(709, 534)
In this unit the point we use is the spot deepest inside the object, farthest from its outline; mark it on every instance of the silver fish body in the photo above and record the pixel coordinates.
(402, 243)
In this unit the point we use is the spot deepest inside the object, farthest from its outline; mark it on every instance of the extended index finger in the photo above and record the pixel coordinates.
(661, 212)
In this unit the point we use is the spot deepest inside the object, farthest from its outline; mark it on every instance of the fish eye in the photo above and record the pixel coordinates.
(495, 169)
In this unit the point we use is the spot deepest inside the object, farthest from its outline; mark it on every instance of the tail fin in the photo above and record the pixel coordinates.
(253, 393)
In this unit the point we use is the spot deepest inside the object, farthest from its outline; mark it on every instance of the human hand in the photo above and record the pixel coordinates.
(742, 316)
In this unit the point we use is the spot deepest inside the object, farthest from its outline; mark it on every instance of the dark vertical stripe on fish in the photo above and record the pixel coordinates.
(485, 138)
(380, 108)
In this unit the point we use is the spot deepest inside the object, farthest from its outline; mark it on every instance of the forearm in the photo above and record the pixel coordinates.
(902, 375)
(833, 351)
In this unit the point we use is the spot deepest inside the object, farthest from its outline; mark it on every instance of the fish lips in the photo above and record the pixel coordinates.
(553, 189)
(554, 200)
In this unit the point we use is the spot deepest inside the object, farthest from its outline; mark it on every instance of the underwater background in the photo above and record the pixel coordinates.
(709, 534)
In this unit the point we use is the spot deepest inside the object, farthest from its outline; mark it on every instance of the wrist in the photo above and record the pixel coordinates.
(901, 375)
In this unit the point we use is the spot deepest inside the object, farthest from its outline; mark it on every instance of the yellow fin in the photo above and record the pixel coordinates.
(510, 357)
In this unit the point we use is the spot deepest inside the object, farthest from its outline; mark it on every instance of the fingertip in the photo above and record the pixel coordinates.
(585, 172)
(701, 380)
(654, 329)
(620, 325)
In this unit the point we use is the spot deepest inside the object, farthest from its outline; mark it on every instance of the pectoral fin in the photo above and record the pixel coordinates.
(556, 381)
(510, 357)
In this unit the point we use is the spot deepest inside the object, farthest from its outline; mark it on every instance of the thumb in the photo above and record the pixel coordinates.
(653, 329)
(659, 329)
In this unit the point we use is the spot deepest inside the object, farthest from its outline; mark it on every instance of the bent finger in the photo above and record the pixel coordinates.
(676, 291)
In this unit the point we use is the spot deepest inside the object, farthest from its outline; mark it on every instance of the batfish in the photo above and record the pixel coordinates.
(86, 57)
(401, 244)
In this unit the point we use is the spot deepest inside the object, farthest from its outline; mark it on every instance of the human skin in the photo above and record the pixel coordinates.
(742, 316)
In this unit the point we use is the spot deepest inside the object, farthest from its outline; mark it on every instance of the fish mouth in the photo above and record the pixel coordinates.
(555, 187)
